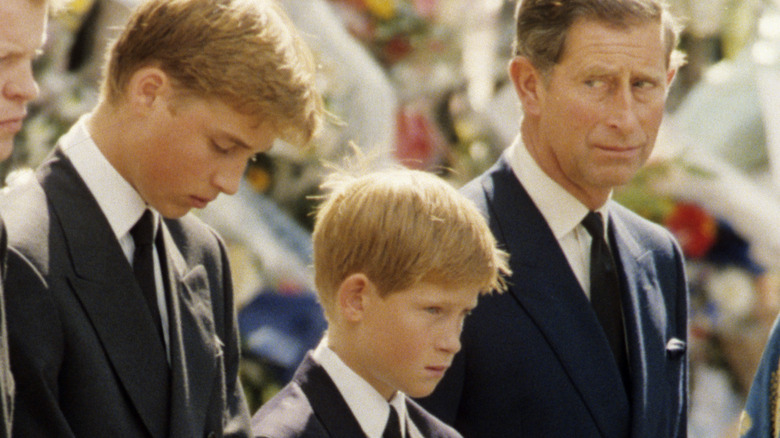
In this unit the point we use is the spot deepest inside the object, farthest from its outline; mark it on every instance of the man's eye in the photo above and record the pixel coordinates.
(643, 84)
(594, 83)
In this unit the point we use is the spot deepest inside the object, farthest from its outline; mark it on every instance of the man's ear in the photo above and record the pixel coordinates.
(353, 296)
(670, 75)
(148, 86)
(528, 83)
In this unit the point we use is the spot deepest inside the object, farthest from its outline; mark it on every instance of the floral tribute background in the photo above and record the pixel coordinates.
(423, 83)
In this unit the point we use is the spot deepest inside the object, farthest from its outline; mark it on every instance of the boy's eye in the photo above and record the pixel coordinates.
(433, 310)
(219, 148)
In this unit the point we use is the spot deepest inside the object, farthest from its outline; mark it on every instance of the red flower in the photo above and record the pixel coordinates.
(419, 142)
(693, 227)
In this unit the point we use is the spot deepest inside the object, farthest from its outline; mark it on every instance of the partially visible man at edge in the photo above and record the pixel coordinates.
(22, 36)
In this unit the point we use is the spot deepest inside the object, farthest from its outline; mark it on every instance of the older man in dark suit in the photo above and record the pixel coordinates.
(590, 341)
(119, 303)
(22, 35)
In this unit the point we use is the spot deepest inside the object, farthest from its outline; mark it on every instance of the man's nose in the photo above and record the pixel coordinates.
(21, 85)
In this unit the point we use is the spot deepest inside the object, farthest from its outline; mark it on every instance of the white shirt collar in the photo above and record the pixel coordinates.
(368, 406)
(119, 201)
(562, 211)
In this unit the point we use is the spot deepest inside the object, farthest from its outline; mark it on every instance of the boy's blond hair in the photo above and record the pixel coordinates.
(401, 227)
(245, 53)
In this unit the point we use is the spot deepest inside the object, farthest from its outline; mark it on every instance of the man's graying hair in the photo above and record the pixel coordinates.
(542, 25)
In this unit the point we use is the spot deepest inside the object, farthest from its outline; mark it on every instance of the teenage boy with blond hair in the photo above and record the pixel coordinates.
(120, 323)
(400, 258)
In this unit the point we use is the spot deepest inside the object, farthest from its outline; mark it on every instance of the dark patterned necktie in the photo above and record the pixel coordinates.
(143, 264)
(605, 291)
(393, 427)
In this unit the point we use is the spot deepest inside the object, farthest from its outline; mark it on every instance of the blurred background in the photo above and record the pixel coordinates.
(423, 83)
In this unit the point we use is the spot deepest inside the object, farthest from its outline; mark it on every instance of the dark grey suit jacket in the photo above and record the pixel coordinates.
(535, 361)
(6, 381)
(84, 351)
(311, 406)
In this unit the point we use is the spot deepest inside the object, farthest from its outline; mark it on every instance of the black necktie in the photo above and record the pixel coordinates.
(143, 264)
(605, 291)
(393, 427)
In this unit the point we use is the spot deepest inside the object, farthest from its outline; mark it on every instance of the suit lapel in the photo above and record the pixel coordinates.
(106, 287)
(546, 288)
(645, 317)
(426, 423)
(194, 346)
(326, 400)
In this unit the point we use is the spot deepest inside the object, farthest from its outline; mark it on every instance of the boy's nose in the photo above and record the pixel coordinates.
(450, 340)
(228, 180)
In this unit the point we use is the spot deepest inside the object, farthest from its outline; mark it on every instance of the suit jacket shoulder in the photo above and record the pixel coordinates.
(311, 406)
(429, 426)
(647, 233)
(288, 414)
(26, 214)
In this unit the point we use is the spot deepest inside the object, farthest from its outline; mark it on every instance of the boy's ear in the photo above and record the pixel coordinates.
(352, 296)
(528, 82)
(147, 86)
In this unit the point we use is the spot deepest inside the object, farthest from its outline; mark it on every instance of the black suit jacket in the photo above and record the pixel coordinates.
(311, 406)
(84, 350)
(6, 381)
(535, 361)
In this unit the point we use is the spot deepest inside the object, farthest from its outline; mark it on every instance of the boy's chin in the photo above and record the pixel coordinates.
(421, 392)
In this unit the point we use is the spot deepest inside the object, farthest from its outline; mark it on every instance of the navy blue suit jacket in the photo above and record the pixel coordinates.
(311, 406)
(535, 361)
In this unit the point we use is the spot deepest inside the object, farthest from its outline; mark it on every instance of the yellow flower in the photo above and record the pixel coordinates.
(74, 12)
(384, 9)
(79, 6)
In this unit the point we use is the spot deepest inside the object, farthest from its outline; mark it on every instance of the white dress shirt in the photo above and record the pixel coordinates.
(119, 201)
(368, 406)
(562, 211)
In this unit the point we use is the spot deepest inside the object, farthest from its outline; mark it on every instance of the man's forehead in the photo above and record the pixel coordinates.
(22, 25)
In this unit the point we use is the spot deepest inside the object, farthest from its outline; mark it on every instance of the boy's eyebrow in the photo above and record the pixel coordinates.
(237, 141)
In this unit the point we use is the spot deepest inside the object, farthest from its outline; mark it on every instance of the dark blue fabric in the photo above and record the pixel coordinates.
(535, 361)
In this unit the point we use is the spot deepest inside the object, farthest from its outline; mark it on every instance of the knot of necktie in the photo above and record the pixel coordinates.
(594, 224)
(143, 230)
